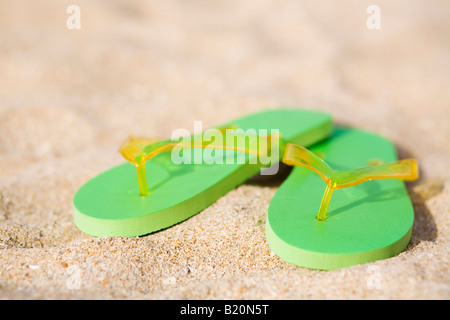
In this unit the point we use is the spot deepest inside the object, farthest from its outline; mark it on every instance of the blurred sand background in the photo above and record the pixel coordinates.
(68, 98)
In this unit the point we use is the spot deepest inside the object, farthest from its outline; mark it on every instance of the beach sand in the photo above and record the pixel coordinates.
(69, 97)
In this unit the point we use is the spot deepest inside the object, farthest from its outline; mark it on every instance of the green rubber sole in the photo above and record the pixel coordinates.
(364, 223)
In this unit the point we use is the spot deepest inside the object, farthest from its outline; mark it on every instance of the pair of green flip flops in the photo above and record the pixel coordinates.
(364, 221)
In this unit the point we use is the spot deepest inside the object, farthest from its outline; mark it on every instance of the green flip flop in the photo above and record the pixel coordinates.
(164, 192)
(363, 222)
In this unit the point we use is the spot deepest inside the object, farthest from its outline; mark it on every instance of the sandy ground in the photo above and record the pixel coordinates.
(68, 98)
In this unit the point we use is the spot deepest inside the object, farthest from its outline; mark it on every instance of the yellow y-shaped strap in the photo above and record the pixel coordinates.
(299, 156)
(139, 150)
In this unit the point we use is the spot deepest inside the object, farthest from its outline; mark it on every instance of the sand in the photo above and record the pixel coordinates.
(68, 98)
